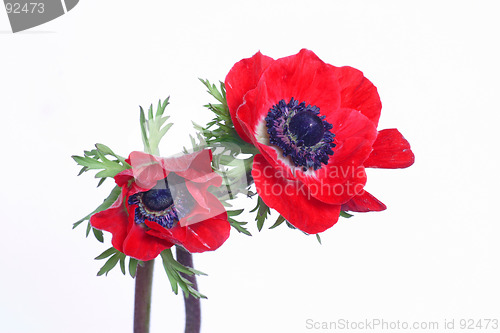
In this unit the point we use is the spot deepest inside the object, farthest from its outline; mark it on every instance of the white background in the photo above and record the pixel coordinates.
(433, 255)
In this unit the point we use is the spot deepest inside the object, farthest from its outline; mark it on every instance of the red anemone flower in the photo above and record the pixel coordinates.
(315, 126)
(165, 201)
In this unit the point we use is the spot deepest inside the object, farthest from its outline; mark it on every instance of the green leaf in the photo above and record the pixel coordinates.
(174, 269)
(108, 173)
(132, 266)
(153, 129)
(279, 221)
(76, 224)
(161, 107)
(98, 235)
(122, 263)
(105, 205)
(88, 162)
(239, 226)
(235, 212)
(262, 212)
(318, 238)
(165, 129)
(106, 253)
(150, 112)
(83, 170)
(109, 265)
(107, 151)
(344, 214)
(89, 227)
(101, 181)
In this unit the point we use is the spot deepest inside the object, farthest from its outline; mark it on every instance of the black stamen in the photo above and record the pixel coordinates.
(301, 133)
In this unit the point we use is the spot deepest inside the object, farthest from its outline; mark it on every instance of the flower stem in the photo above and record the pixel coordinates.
(142, 309)
(191, 304)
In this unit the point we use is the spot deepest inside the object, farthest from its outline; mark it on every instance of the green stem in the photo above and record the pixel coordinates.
(142, 304)
(191, 304)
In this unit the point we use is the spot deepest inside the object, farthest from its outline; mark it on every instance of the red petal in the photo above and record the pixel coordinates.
(115, 220)
(302, 76)
(142, 246)
(344, 175)
(292, 199)
(146, 171)
(175, 235)
(364, 202)
(196, 166)
(390, 151)
(243, 77)
(358, 93)
(208, 235)
(206, 208)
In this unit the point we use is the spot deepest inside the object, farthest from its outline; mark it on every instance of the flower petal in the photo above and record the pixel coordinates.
(292, 199)
(344, 175)
(207, 207)
(364, 202)
(146, 172)
(302, 76)
(358, 93)
(142, 246)
(243, 77)
(195, 167)
(208, 235)
(115, 220)
(390, 151)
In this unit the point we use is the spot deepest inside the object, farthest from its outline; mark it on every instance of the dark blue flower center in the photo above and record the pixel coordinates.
(163, 204)
(307, 127)
(157, 199)
(301, 133)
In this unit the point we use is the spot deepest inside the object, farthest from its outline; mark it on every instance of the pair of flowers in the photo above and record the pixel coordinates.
(315, 128)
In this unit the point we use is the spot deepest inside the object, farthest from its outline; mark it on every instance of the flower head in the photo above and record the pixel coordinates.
(165, 201)
(315, 126)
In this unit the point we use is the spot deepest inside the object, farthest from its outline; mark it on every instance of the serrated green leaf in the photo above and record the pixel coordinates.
(172, 278)
(102, 157)
(109, 265)
(76, 224)
(106, 253)
(122, 263)
(318, 238)
(150, 112)
(82, 170)
(87, 232)
(105, 205)
(88, 162)
(165, 129)
(98, 235)
(262, 212)
(144, 135)
(174, 269)
(239, 226)
(279, 221)
(345, 214)
(107, 173)
(132, 266)
(104, 149)
(235, 212)
(161, 107)
(101, 181)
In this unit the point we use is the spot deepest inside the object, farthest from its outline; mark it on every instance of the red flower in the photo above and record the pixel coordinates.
(315, 127)
(165, 201)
